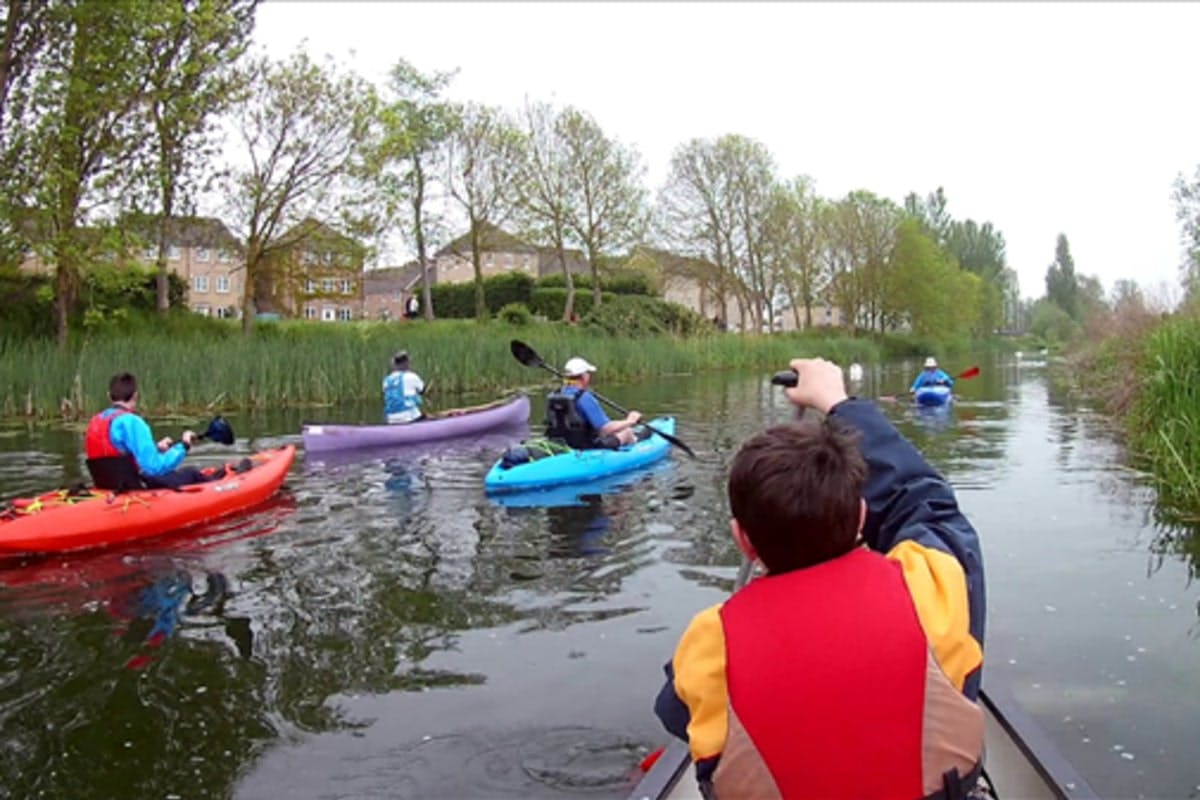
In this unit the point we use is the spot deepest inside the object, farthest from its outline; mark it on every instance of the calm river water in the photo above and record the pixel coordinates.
(388, 631)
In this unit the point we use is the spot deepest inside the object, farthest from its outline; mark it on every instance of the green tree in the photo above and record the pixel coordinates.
(86, 138)
(191, 80)
(1091, 296)
(1127, 297)
(607, 205)
(25, 27)
(417, 122)
(794, 244)
(305, 130)
(1187, 211)
(1062, 287)
(484, 158)
(695, 218)
(544, 201)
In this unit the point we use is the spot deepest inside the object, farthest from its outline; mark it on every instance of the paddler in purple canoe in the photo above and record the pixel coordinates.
(403, 392)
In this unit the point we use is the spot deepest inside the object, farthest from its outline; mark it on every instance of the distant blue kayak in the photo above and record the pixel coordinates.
(934, 395)
(576, 466)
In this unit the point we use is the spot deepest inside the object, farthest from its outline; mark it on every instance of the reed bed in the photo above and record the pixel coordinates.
(190, 367)
(1165, 418)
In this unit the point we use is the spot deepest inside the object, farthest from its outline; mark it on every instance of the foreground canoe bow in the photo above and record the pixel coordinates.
(1019, 758)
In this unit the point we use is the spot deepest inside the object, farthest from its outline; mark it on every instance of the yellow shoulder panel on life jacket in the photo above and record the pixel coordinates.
(700, 683)
(938, 588)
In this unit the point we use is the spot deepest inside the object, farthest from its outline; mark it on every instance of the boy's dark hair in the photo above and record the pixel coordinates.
(121, 387)
(795, 490)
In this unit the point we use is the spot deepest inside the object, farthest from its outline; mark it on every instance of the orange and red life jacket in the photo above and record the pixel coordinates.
(833, 690)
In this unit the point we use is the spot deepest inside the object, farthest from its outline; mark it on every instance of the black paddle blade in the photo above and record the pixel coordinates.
(786, 378)
(525, 354)
(219, 431)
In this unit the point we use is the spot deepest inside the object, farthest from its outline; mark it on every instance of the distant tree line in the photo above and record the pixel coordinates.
(110, 107)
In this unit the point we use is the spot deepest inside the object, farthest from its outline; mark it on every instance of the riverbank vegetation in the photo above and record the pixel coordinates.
(1139, 357)
(185, 362)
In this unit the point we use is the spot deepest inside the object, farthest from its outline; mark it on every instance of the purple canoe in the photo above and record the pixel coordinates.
(320, 438)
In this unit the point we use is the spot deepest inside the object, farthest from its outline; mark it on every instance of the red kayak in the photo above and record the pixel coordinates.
(59, 521)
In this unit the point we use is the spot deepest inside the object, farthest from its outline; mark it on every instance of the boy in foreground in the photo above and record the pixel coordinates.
(852, 668)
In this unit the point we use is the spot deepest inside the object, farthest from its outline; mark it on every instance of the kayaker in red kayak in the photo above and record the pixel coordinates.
(852, 668)
(403, 392)
(121, 452)
(574, 416)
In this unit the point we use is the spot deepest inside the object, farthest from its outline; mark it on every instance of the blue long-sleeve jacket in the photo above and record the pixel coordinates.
(931, 378)
(910, 509)
(130, 434)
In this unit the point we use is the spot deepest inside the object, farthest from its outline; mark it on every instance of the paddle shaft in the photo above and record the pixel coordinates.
(617, 407)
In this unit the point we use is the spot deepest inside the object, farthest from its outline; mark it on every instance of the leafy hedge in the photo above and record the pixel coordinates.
(457, 300)
(28, 300)
(633, 315)
(549, 302)
(629, 283)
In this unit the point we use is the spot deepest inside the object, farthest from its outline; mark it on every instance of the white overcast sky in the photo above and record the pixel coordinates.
(1041, 118)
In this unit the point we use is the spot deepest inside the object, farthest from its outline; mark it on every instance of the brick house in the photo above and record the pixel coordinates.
(316, 273)
(386, 291)
(501, 252)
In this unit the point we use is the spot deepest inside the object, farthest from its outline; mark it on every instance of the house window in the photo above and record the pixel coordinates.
(200, 283)
(150, 253)
(508, 260)
(202, 310)
(327, 285)
(310, 286)
(489, 259)
(347, 286)
(525, 261)
(223, 284)
(203, 254)
(345, 314)
(173, 252)
(328, 314)
(310, 312)
(223, 256)
(307, 258)
(225, 312)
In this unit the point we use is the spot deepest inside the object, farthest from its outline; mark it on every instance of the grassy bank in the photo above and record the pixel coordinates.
(1149, 375)
(192, 364)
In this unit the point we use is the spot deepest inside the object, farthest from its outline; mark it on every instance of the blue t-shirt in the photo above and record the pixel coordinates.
(588, 407)
(130, 434)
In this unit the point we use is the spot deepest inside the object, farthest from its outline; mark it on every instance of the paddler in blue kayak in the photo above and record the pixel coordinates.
(403, 392)
(574, 416)
(121, 452)
(852, 667)
(932, 375)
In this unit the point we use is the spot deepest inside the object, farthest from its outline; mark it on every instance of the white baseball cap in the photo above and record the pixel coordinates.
(930, 362)
(577, 366)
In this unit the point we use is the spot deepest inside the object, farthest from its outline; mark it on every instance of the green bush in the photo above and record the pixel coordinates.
(515, 314)
(622, 283)
(633, 315)
(550, 302)
(457, 300)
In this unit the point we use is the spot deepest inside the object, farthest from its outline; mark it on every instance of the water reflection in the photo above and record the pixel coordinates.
(403, 635)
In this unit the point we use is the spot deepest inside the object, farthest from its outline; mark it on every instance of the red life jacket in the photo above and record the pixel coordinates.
(834, 690)
(97, 442)
(110, 468)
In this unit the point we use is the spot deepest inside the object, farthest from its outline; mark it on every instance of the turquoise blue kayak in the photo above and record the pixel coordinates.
(933, 395)
(579, 494)
(576, 466)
